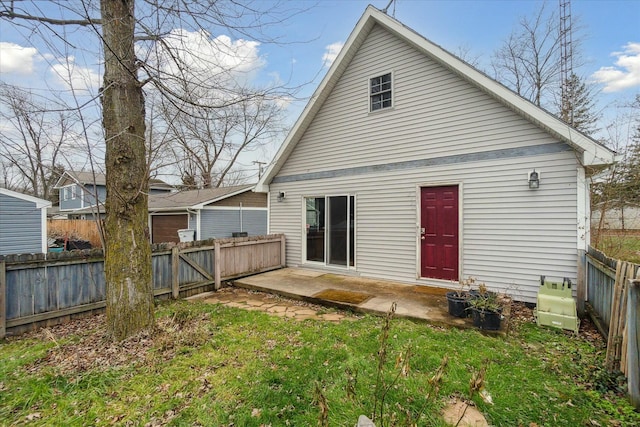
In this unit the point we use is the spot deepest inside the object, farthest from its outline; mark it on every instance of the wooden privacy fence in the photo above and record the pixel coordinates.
(613, 304)
(44, 289)
(82, 229)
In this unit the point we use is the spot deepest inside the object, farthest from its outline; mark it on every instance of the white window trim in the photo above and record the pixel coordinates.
(303, 229)
(393, 91)
(66, 192)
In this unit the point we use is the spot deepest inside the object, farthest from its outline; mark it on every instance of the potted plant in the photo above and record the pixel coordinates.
(486, 309)
(457, 300)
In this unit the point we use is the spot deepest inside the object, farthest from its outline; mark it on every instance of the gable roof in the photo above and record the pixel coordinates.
(40, 203)
(89, 178)
(194, 199)
(591, 152)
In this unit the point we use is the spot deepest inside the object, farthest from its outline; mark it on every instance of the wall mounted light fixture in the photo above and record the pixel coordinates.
(281, 196)
(534, 179)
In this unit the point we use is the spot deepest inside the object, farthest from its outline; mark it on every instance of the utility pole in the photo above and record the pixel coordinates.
(260, 167)
(566, 57)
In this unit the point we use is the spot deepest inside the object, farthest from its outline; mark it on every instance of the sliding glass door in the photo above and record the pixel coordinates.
(315, 228)
(330, 230)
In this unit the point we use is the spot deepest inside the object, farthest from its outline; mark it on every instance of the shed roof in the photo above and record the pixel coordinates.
(592, 153)
(40, 203)
(194, 199)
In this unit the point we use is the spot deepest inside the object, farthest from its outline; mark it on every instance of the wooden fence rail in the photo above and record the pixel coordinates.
(41, 289)
(612, 303)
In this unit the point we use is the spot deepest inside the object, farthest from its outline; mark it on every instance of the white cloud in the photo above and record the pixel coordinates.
(626, 72)
(16, 58)
(75, 77)
(331, 53)
(200, 59)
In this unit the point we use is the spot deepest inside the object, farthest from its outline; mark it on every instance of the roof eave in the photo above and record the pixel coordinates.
(40, 203)
(352, 44)
(65, 175)
(594, 154)
(202, 204)
(591, 153)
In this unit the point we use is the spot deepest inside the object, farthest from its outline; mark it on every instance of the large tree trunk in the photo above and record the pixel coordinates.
(128, 251)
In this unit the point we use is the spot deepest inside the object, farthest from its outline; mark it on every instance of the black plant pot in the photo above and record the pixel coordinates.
(457, 304)
(487, 320)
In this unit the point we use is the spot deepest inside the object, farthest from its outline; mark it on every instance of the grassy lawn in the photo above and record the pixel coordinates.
(213, 365)
(621, 245)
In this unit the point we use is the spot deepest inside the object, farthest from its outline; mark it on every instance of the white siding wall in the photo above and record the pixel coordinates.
(511, 235)
(435, 114)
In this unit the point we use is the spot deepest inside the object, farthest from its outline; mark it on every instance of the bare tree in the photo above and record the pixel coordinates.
(209, 142)
(32, 140)
(630, 174)
(147, 44)
(529, 60)
(619, 186)
(127, 252)
(465, 53)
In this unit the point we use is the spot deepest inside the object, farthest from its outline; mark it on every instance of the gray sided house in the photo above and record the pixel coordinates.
(211, 213)
(23, 223)
(410, 165)
(82, 194)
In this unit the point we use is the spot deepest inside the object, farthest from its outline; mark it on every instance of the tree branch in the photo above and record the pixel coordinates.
(10, 14)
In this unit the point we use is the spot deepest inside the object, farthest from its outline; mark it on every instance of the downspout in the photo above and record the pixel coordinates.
(583, 236)
(241, 230)
(195, 213)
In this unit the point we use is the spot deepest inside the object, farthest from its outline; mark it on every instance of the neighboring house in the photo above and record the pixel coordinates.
(83, 193)
(23, 223)
(408, 164)
(211, 213)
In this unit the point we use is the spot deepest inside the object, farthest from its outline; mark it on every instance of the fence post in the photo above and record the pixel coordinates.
(582, 283)
(633, 343)
(175, 272)
(283, 253)
(3, 299)
(216, 265)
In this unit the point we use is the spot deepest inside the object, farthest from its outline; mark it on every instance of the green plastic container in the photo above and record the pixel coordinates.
(556, 306)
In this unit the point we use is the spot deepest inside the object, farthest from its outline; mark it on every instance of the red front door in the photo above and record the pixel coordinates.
(439, 232)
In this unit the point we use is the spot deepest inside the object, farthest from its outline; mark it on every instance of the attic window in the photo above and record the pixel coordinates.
(380, 92)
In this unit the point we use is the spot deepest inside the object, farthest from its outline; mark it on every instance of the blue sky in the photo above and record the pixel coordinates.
(478, 26)
(610, 43)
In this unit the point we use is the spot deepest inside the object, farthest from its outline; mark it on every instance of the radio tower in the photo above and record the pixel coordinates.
(566, 61)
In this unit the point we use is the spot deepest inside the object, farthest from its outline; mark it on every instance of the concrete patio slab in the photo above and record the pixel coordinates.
(421, 303)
